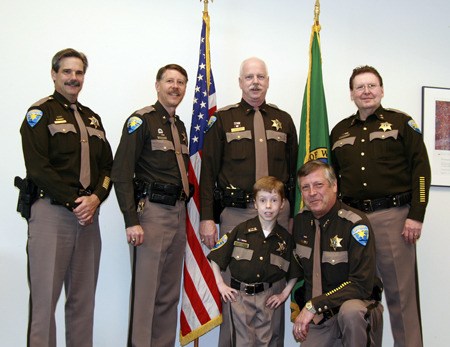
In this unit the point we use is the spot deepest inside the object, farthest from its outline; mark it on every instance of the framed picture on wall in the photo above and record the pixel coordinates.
(436, 132)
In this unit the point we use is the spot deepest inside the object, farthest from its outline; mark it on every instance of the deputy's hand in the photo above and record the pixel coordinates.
(412, 230)
(135, 235)
(301, 324)
(208, 233)
(87, 205)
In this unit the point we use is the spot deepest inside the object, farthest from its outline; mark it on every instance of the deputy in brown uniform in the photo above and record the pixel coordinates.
(383, 170)
(336, 250)
(150, 175)
(68, 159)
(232, 161)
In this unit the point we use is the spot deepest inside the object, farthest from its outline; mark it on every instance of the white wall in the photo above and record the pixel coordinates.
(127, 41)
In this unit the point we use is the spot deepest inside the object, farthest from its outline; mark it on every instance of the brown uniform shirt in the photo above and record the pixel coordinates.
(52, 151)
(146, 151)
(381, 156)
(229, 152)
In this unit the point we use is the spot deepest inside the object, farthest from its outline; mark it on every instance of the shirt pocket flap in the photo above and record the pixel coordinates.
(61, 128)
(303, 251)
(382, 135)
(276, 135)
(96, 132)
(334, 258)
(240, 253)
(162, 145)
(343, 142)
(279, 262)
(247, 134)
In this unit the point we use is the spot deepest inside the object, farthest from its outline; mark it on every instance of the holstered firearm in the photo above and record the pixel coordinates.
(28, 193)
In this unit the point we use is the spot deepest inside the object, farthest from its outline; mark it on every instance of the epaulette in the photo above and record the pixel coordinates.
(349, 215)
(145, 110)
(229, 107)
(43, 100)
(273, 105)
(398, 111)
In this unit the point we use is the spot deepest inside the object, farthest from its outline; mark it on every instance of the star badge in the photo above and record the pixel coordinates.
(94, 122)
(276, 124)
(335, 242)
(385, 126)
(281, 247)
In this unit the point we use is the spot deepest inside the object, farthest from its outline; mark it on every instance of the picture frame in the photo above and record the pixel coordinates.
(436, 132)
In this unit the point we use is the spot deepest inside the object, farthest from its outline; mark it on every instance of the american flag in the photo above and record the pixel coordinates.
(201, 305)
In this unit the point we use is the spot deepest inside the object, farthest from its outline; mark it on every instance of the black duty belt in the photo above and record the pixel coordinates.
(372, 205)
(329, 314)
(233, 197)
(250, 288)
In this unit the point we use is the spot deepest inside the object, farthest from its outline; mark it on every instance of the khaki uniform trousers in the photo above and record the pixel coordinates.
(397, 268)
(156, 276)
(61, 252)
(229, 219)
(358, 324)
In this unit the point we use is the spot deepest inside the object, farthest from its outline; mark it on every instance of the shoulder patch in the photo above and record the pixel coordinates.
(273, 105)
(361, 234)
(133, 123)
(221, 242)
(414, 126)
(229, 107)
(145, 110)
(349, 215)
(33, 117)
(40, 102)
(211, 121)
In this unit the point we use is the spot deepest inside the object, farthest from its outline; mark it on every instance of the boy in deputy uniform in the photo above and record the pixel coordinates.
(258, 253)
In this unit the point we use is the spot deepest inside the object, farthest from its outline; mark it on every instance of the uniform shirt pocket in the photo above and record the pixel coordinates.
(240, 253)
(239, 145)
(383, 135)
(96, 132)
(279, 262)
(61, 128)
(343, 142)
(334, 258)
(276, 135)
(303, 251)
(162, 145)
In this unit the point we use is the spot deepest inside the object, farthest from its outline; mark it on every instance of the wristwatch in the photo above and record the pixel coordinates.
(309, 306)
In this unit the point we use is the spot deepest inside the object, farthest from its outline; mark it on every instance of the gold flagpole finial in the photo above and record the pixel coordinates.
(316, 12)
(205, 8)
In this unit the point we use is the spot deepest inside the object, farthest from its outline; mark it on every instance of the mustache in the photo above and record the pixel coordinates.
(72, 83)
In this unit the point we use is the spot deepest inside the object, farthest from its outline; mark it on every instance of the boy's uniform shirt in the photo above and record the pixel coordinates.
(254, 258)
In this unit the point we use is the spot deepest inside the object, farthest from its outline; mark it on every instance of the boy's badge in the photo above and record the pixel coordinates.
(221, 242)
(361, 234)
(133, 123)
(335, 242)
(33, 117)
(281, 247)
(413, 125)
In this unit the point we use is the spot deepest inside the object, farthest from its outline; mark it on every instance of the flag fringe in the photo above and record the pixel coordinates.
(195, 334)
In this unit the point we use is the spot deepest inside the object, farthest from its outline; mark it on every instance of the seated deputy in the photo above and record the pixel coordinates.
(258, 253)
(336, 250)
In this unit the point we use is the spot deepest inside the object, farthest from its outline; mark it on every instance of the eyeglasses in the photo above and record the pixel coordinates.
(362, 87)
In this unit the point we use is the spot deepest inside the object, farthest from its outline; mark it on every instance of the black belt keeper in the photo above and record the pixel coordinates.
(250, 288)
(372, 205)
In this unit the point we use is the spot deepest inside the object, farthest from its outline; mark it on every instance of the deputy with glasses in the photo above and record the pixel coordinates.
(382, 166)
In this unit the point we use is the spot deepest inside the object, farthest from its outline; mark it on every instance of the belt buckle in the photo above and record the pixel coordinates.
(367, 205)
(248, 291)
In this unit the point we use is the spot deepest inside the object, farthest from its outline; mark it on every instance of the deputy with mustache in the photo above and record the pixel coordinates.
(69, 160)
